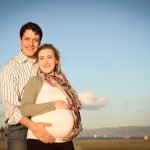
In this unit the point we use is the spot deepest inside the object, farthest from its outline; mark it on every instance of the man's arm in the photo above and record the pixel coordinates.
(9, 94)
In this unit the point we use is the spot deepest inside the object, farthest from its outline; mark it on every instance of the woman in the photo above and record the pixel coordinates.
(49, 97)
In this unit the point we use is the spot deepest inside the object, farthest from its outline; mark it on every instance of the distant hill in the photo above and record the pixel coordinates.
(117, 132)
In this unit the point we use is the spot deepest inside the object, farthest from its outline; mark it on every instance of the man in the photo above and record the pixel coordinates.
(13, 78)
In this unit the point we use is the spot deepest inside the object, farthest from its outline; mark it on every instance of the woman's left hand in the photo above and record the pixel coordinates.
(70, 136)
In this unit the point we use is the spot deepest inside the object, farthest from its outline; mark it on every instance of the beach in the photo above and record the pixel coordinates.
(123, 144)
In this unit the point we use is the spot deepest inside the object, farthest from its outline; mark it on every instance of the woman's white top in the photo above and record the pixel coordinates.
(61, 119)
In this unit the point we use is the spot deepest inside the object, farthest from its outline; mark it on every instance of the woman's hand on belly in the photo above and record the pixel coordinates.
(60, 104)
(70, 136)
(62, 123)
(41, 133)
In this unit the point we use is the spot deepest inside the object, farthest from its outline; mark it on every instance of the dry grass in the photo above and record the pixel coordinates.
(107, 144)
(2, 145)
(114, 144)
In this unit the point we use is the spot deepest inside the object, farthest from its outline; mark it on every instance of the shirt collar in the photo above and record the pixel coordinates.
(23, 58)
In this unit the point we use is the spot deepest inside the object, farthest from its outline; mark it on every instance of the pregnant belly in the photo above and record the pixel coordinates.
(62, 122)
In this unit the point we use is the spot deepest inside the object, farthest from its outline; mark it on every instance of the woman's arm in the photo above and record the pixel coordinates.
(28, 103)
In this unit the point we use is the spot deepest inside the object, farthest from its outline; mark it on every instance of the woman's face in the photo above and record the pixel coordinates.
(47, 60)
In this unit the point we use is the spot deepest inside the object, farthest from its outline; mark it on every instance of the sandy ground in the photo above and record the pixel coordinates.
(106, 144)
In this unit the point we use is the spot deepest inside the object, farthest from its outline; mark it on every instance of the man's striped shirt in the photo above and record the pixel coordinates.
(13, 77)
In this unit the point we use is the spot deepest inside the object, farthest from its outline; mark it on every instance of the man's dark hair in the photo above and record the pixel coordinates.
(31, 26)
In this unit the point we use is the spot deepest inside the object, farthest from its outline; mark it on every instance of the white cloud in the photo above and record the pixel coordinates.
(91, 101)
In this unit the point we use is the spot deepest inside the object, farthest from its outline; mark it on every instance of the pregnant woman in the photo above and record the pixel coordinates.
(49, 97)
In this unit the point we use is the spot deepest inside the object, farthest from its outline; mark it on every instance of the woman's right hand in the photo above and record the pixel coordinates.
(60, 104)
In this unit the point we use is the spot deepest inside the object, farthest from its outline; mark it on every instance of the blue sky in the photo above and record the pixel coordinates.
(105, 50)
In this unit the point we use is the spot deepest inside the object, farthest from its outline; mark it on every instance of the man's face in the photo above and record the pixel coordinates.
(29, 43)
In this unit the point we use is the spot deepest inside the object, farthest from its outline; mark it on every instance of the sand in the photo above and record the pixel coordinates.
(126, 144)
